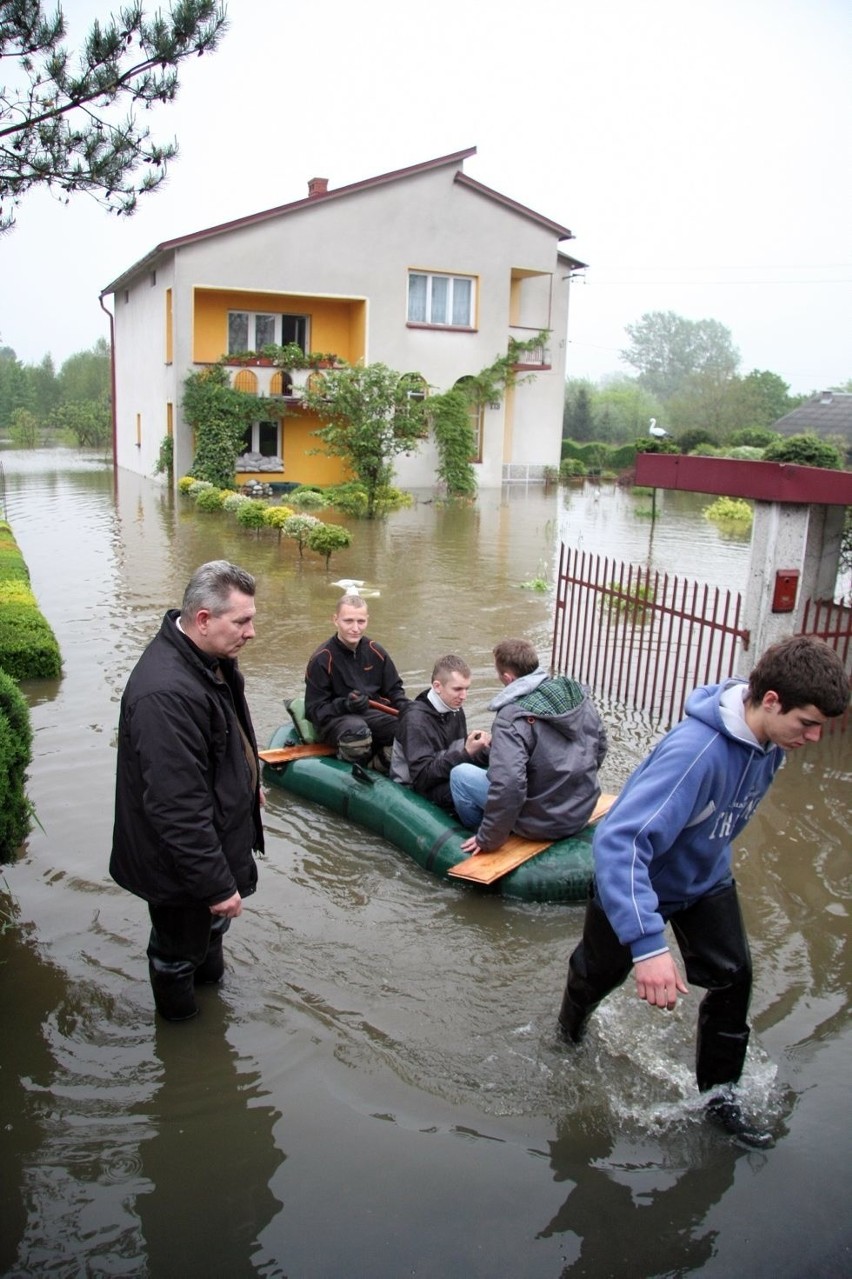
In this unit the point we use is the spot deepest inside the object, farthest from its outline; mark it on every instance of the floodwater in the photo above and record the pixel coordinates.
(376, 1090)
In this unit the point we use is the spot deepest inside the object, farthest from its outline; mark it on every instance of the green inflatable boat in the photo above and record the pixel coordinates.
(562, 872)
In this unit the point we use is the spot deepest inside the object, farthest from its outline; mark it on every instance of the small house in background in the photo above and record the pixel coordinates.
(828, 415)
(423, 269)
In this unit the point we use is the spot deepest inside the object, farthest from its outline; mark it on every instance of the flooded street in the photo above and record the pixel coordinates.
(377, 1089)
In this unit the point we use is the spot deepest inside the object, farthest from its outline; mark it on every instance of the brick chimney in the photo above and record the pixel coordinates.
(317, 186)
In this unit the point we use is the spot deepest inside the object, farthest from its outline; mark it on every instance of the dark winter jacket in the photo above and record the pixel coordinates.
(334, 671)
(187, 812)
(547, 744)
(428, 744)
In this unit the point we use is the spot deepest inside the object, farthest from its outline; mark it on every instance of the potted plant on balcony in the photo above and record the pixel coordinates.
(247, 359)
(299, 364)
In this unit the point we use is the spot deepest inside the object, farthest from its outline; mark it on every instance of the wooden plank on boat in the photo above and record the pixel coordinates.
(283, 754)
(485, 868)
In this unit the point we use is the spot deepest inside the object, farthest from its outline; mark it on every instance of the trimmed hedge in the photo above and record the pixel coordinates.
(597, 456)
(16, 737)
(28, 647)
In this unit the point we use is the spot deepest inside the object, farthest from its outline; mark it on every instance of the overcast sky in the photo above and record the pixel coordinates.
(698, 149)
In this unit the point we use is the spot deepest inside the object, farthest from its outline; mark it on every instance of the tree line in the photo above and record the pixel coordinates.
(39, 405)
(687, 378)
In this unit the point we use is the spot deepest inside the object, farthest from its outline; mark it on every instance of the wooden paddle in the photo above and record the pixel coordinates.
(484, 868)
(382, 706)
(283, 754)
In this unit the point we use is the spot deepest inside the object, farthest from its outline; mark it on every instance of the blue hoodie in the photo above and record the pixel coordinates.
(667, 840)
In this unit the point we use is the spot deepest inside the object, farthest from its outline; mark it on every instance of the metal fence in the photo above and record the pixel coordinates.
(643, 638)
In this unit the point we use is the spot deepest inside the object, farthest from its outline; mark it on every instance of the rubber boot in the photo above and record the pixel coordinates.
(212, 970)
(573, 1021)
(179, 941)
(724, 1111)
(172, 984)
(355, 746)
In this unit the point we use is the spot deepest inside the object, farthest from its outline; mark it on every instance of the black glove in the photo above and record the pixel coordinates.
(357, 703)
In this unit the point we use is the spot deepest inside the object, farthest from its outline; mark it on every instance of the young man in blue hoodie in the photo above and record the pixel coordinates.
(663, 855)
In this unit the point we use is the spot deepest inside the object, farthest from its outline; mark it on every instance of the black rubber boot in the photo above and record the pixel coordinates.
(211, 971)
(724, 1112)
(573, 1021)
(172, 984)
(179, 942)
(355, 746)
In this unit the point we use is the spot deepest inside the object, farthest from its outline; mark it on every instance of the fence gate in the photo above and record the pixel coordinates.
(640, 637)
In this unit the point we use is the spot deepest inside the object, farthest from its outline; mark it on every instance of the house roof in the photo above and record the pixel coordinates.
(320, 195)
(829, 413)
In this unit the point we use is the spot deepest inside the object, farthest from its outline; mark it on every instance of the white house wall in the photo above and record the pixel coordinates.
(363, 245)
(144, 382)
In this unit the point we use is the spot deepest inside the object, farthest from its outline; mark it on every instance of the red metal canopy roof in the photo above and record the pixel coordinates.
(729, 477)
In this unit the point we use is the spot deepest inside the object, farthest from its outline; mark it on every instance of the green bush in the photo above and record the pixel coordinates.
(571, 468)
(804, 450)
(299, 528)
(729, 510)
(745, 453)
(234, 501)
(15, 747)
(326, 538)
(307, 497)
(622, 457)
(252, 514)
(752, 437)
(210, 499)
(28, 647)
(277, 517)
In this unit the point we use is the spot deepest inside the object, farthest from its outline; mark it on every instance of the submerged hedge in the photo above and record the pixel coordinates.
(28, 647)
(16, 738)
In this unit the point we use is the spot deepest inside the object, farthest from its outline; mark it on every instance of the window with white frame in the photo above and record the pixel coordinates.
(441, 299)
(263, 438)
(253, 330)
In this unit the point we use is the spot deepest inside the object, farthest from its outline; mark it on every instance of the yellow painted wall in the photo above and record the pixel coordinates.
(337, 326)
(300, 465)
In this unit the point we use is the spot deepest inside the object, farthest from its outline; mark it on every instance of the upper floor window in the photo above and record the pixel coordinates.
(440, 299)
(253, 330)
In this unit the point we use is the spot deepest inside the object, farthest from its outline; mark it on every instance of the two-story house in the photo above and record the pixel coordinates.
(424, 269)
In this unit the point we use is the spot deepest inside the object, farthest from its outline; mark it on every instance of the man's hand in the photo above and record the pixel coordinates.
(471, 846)
(476, 742)
(658, 981)
(231, 907)
(357, 702)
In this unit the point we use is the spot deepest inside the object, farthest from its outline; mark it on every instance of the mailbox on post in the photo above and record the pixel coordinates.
(784, 594)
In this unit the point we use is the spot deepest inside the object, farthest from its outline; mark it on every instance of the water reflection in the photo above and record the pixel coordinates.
(380, 1072)
(613, 1180)
(209, 1156)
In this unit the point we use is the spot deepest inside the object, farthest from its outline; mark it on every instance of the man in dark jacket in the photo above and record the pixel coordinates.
(547, 745)
(344, 675)
(187, 798)
(432, 736)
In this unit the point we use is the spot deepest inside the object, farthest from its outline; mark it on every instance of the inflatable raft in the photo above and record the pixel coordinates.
(561, 872)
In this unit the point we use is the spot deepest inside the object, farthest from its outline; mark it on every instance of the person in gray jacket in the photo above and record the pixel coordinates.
(547, 745)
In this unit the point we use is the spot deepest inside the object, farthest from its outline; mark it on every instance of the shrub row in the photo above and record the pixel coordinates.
(256, 514)
(16, 738)
(28, 647)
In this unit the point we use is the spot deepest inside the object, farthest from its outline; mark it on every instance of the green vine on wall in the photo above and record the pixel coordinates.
(219, 415)
(450, 413)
